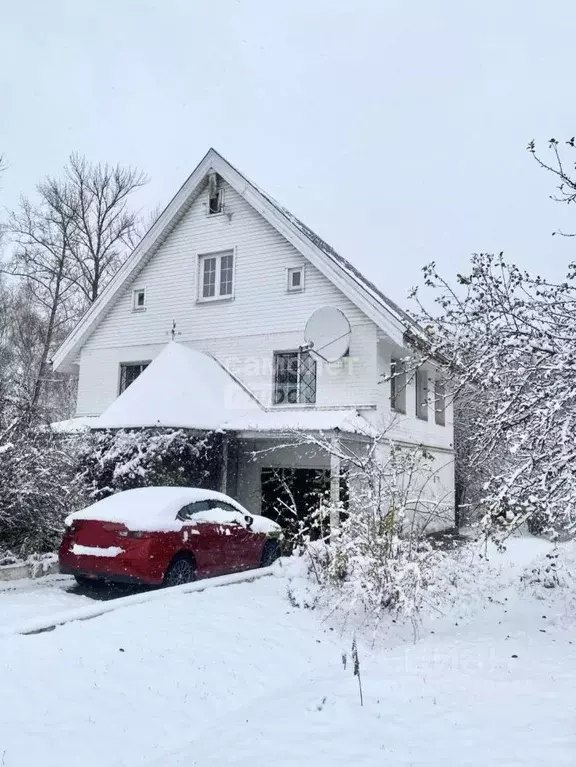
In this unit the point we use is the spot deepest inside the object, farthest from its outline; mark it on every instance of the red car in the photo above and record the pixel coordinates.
(165, 536)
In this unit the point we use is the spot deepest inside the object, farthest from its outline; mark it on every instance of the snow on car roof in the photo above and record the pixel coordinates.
(148, 508)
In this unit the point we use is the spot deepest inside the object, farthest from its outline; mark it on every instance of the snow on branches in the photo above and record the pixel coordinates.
(111, 461)
(507, 343)
(37, 488)
(380, 558)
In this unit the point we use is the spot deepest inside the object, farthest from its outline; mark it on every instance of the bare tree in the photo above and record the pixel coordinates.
(562, 167)
(95, 199)
(41, 259)
(67, 246)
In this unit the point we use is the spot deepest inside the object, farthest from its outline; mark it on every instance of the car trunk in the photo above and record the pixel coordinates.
(88, 532)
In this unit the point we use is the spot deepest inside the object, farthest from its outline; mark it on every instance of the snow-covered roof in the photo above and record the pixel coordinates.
(74, 425)
(183, 388)
(285, 421)
(375, 305)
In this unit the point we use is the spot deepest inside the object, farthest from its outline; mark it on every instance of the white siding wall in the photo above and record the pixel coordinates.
(243, 332)
(256, 455)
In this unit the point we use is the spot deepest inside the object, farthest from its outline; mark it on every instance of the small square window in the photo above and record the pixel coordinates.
(139, 299)
(296, 279)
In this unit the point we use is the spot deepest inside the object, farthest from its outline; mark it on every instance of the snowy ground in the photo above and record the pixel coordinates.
(25, 599)
(238, 676)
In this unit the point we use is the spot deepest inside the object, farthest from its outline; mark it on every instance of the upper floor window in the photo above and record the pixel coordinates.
(294, 378)
(439, 402)
(397, 386)
(296, 279)
(139, 299)
(422, 394)
(215, 195)
(129, 372)
(216, 276)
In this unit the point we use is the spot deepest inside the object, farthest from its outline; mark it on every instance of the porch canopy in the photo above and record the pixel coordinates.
(188, 389)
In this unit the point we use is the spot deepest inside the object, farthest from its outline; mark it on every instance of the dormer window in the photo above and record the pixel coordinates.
(215, 196)
(139, 299)
(296, 279)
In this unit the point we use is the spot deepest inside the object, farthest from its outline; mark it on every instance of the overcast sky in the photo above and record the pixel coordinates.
(395, 129)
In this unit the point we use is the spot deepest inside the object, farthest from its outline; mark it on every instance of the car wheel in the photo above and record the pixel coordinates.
(270, 553)
(181, 571)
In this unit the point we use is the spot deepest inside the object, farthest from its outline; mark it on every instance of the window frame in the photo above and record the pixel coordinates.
(219, 196)
(122, 367)
(218, 255)
(439, 411)
(275, 383)
(135, 293)
(397, 386)
(289, 273)
(421, 391)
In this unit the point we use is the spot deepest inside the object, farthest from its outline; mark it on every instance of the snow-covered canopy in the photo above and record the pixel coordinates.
(74, 425)
(185, 388)
(282, 421)
(182, 388)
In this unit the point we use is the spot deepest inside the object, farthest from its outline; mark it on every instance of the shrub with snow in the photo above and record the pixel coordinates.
(38, 489)
(505, 340)
(380, 559)
(111, 461)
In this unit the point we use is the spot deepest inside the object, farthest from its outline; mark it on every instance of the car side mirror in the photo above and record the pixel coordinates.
(249, 521)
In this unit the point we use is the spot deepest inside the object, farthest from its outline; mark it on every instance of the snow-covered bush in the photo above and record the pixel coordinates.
(38, 488)
(506, 342)
(380, 558)
(111, 461)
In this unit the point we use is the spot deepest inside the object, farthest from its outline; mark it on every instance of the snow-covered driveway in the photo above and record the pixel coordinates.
(236, 675)
(26, 599)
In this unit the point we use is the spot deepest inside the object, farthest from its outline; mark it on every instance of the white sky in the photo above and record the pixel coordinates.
(395, 129)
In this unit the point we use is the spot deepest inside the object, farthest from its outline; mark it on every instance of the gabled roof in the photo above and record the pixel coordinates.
(392, 320)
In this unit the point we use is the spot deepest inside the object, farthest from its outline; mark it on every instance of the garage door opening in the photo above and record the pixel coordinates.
(295, 498)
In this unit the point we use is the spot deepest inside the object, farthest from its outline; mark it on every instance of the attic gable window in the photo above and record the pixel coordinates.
(215, 195)
(139, 299)
(216, 276)
(129, 372)
(295, 279)
(294, 378)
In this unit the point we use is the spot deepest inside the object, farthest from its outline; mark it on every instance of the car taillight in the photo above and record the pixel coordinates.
(133, 534)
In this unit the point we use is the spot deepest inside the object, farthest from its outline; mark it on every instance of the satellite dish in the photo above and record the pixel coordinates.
(327, 333)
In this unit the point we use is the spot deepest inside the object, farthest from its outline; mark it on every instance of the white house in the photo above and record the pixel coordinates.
(203, 328)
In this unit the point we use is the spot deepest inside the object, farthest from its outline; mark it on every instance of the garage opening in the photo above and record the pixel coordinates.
(295, 497)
